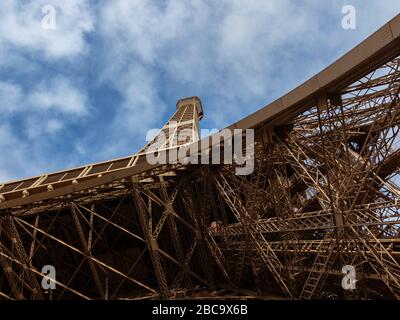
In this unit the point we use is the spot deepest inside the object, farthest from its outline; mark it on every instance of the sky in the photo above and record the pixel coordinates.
(90, 88)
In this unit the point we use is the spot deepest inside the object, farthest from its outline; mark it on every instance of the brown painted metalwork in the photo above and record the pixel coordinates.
(324, 193)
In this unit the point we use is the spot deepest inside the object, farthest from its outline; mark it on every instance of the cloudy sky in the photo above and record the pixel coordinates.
(90, 89)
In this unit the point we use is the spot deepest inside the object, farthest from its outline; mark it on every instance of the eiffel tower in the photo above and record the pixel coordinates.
(323, 197)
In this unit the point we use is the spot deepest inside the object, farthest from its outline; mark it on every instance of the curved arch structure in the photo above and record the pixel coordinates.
(324, 195)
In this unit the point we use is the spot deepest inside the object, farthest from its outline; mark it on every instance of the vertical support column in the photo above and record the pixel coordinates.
(11, 232)
(173, 228)
(325, 256)
(188, 196)
(151, 242)
(85, 247)
(12, 278)
(322, 105)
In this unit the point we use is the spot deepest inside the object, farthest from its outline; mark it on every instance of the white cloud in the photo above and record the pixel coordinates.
(237, 55)
(20, 27)
(10, 97)
(226, 49)
(58, 94)
(38, 127)
(54, 125)
(41, 112)
(240, 54)
(140, 109)
(18, 152)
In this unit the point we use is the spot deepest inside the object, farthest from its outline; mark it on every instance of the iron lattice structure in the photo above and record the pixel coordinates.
(324, 193)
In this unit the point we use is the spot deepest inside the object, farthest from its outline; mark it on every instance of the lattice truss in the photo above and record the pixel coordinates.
(324, 193)
(132, 238)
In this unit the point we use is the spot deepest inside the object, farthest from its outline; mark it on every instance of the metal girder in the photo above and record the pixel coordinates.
(324, 193)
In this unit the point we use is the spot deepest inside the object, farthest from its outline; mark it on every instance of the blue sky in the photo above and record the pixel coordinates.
(90, 89)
